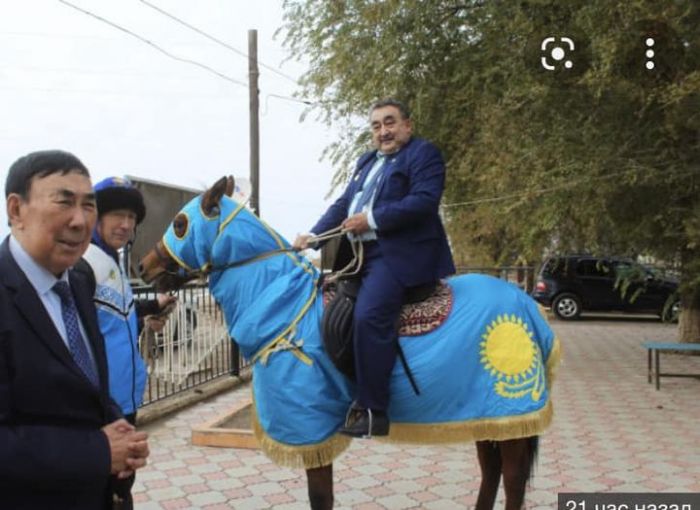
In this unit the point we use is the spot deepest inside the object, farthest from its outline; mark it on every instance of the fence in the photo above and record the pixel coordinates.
(193, 348)
(522, 276)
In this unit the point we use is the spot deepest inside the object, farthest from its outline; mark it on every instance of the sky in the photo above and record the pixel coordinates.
(69, 81)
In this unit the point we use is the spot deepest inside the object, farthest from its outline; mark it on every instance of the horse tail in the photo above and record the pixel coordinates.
(533, 447)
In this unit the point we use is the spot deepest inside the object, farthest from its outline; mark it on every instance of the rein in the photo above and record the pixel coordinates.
(353, 267)
(182, 272)
(249, 260)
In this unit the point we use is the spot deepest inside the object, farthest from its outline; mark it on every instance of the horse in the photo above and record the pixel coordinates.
(483, 374)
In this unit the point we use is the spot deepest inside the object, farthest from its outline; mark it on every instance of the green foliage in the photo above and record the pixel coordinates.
(608, 162)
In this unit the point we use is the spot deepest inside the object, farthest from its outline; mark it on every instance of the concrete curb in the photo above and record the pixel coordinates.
(169, 405)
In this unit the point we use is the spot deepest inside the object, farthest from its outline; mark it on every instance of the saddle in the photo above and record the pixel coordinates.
(425, 308)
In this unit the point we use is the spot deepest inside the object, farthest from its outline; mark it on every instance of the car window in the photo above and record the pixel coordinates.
(631, 270)
(593, 267)
(555, 266)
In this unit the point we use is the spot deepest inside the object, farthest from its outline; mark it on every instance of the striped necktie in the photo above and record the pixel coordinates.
(76, 344)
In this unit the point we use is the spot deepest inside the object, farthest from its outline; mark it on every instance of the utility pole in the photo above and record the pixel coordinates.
(254, 120)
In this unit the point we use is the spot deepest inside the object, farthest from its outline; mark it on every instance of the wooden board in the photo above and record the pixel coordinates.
(229, 430)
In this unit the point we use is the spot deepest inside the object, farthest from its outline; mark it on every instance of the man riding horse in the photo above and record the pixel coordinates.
(391, 206)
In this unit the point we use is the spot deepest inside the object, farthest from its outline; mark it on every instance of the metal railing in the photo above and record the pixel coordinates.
(522, 276)
(193, 348)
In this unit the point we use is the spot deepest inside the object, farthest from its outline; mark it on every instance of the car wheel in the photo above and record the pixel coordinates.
(567, 306)
(670, 313)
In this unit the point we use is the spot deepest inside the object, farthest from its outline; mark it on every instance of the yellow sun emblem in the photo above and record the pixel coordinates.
(510, 355)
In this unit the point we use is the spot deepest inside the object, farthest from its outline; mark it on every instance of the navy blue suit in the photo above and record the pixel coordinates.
(411, 249)
(53, 454)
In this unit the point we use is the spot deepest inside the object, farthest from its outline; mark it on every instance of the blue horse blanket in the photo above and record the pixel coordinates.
(483, 374)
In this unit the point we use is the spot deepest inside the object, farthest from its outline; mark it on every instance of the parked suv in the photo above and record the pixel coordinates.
(571, 284)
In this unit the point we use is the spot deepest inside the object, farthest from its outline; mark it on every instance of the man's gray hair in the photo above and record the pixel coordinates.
(390, 101)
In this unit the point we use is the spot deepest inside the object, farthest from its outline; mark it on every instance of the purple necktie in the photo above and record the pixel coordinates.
(76, 344)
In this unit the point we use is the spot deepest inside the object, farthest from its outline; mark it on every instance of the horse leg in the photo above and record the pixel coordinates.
(490, 464)
(320, 486)
(517, 457)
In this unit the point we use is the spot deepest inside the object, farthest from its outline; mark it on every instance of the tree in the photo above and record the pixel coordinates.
(603, 158)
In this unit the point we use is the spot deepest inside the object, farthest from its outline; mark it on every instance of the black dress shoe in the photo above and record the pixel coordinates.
(366, 423)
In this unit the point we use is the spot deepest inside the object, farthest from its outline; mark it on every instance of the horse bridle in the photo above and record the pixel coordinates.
(188, 274)
(207, 270)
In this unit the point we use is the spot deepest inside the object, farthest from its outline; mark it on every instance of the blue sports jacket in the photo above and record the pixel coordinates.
(116, 314)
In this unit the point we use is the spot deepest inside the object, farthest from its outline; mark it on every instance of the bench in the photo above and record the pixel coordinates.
(656, 348)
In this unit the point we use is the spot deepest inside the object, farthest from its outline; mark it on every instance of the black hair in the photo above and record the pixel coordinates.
(390, 101)
(40, 164)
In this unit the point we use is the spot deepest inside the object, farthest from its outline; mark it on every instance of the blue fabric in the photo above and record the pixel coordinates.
(486, 361)
(116, 314)
(76, 343)
(127, 370)
(405, 210)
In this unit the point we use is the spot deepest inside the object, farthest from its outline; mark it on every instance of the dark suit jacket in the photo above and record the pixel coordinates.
(409, 230)
(53, 454)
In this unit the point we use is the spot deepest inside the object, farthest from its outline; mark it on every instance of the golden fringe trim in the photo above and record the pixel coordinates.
(493, 429)
(553, 362)
(488, 429)
(299, 457)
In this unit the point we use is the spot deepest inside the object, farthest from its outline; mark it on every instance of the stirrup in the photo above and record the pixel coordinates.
(370, 417)
(371, 424)
(347, 415)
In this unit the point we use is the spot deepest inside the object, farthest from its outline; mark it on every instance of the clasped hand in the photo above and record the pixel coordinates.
(128, 447)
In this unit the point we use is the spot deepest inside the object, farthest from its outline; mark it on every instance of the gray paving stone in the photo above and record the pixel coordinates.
(396, 501)
(206, 498)
(264, 489)
(190, 479)
(165, 493)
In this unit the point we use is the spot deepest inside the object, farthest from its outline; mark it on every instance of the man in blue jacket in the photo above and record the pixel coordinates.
(391, 205)
(120, 208)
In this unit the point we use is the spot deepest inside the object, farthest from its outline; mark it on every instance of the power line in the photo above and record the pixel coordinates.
(154, 45)
(285, 98)
(570, 184)
(97, 71)
(63, 90)
(216, 40)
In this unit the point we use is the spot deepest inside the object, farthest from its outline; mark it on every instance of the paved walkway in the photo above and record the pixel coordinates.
(612, 432)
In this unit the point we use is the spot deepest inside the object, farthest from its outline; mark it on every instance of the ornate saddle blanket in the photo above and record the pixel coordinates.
(417, 318)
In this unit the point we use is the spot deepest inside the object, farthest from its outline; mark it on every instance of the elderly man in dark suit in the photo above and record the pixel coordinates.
(391, 205)
(62, 439)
